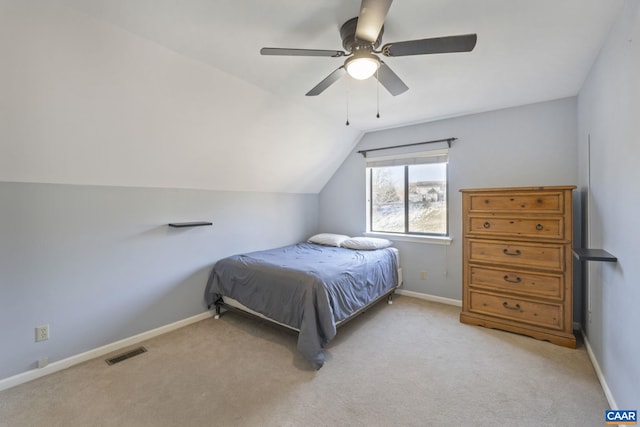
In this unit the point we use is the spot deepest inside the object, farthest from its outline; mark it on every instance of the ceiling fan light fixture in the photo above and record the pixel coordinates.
(362, 65)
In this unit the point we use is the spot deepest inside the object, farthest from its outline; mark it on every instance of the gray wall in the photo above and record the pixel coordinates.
(608, 112)
(524, 146)
(99, 264)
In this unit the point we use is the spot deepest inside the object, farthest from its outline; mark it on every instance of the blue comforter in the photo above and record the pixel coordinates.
(307, 286)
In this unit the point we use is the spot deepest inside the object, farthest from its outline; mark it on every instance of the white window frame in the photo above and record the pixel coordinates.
(404, 159)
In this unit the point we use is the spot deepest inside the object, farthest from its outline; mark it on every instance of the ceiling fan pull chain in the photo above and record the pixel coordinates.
(347, 123)
(378, 92)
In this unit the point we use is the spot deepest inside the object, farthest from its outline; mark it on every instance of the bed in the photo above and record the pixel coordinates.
(307, 287)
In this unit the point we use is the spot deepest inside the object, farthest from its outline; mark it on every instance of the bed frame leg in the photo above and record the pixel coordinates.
(390, 299)
(217, 316)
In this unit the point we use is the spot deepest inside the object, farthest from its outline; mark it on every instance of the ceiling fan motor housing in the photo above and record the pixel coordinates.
(349, 41)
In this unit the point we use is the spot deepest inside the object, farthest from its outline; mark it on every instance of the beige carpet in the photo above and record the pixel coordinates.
(408, 364)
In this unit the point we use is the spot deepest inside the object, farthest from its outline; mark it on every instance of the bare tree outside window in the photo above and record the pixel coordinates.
(387, 198)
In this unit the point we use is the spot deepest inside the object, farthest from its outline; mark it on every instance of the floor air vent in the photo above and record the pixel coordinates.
(124, 356)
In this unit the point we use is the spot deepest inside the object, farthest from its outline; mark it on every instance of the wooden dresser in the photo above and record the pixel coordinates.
(517, 261)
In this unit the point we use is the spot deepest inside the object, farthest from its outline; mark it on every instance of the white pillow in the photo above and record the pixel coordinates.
(328, 239)
(366, 243)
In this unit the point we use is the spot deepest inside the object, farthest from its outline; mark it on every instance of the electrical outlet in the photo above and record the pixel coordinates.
(423, 275)
(42, 333)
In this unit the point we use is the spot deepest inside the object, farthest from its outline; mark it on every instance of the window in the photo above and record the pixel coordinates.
(408, 195)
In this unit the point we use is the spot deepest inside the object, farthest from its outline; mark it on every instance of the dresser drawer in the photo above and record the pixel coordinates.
(545, 228)
(542, 285)
(532, 255)
(521, 310)
(517, 202)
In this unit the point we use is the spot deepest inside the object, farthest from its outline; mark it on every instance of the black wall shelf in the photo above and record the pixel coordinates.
(584, 254)
(189, 224)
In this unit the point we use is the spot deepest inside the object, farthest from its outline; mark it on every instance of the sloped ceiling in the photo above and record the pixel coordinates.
(240, 120)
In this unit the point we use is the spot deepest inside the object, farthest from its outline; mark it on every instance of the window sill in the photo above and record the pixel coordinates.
(432, 240)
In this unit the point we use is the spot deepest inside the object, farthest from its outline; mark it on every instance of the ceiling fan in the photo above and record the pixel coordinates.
(361, 36)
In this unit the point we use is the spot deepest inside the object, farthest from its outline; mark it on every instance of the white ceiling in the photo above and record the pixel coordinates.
(527, 51)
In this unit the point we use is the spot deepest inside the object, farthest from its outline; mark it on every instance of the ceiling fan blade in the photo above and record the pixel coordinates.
(328, 81)
(390, 80)
(371, 19)
(461, 43)
(300, 52)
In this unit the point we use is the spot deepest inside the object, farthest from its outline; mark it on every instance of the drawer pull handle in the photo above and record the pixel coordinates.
(539, 227)
(508, 279)
(516, 253)
(486, 224)
(516, 308)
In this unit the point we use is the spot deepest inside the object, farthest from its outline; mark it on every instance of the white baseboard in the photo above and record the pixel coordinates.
(428, 297)
(599, 374)
(97, 352)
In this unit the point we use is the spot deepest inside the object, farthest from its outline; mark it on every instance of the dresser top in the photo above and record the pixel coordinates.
(521, 189)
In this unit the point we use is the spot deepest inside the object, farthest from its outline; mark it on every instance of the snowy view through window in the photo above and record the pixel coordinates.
(423, 208)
